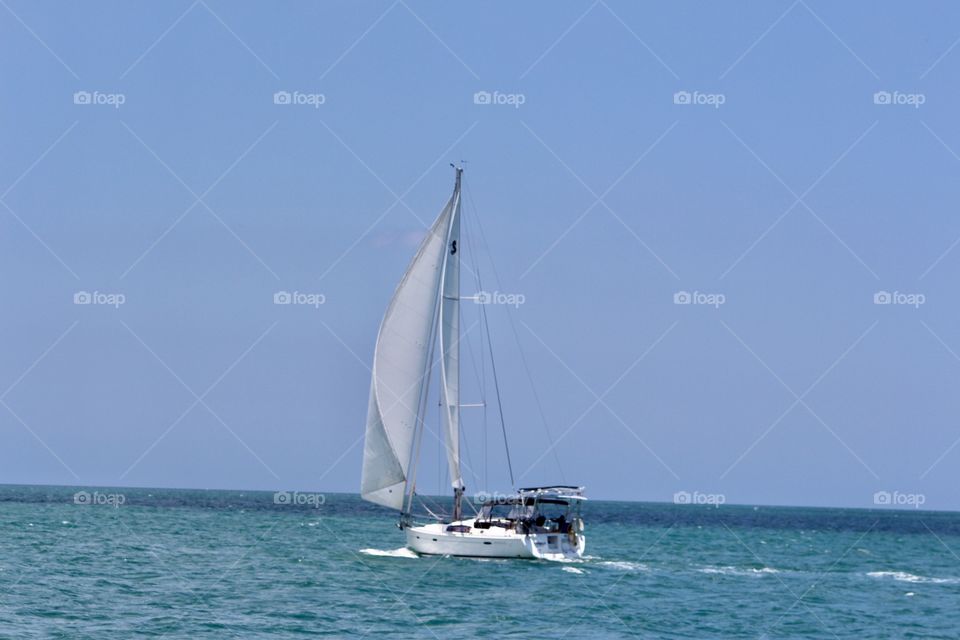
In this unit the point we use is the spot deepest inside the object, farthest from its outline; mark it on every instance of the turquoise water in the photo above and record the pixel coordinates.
(221, 564)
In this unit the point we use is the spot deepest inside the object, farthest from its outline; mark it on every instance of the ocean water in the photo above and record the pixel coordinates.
(221, 564)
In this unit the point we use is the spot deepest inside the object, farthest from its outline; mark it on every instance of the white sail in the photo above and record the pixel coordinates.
(450, 344)
(399, 369)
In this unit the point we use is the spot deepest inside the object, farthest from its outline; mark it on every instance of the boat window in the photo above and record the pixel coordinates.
(553, 509)
(458, 528)
(498, 511)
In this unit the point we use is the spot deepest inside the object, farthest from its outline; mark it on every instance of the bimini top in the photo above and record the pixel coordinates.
(560, 491)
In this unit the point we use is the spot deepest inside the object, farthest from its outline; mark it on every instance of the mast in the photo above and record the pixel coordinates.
(450, 347)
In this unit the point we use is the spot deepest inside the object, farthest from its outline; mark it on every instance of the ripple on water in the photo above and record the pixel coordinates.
(903, 576)
(739, 571)
(624, 565)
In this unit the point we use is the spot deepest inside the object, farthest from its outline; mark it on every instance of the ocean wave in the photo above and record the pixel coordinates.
(739, 571)
(573, 570)
(402, 552)
(624, 565)
(565, 559)
(903, 576)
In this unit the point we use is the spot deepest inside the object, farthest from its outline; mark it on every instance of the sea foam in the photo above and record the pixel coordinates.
(402, 552)
(903, 576)
(739, 571)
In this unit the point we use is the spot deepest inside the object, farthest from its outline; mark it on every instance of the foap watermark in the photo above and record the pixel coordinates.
(99, 297)
(97, 498)
(699, 297)
(498, 297)
(697, 497)
(899, 98)
(898, 297)
(299, 499)
(512, 99)
(99, 98)
(298, 297)
(299, 98)
(898, 499)
(698, 98)
(494, 498)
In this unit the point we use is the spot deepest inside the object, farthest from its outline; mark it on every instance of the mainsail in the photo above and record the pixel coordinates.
(400, 365)
(450, 344)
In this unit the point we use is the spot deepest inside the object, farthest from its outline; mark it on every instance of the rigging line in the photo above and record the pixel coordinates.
(482, 376)
(483, 397)
(466, 449)
(421, 424)
(503, 425)
(440, 443)
(435, 365)
(486, 423)
(496, 383)
(485, 322)
(463, 439)
(433, 508)
(516, 337)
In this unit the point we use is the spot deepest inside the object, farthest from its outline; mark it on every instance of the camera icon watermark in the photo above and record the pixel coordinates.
(715, 100)
(299, 298)
(714, 300)
(514, 100)
(914, 300)
(100, 298)
(115, 100)
(299, 98)
(899, 499)
(899, 98)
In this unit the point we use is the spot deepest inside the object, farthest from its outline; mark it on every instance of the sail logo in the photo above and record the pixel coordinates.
(898, 98)
(898, 499)
(97, 498)
(698, 297)
(298, 499)
(512, 99)
(98, 297)
(685, 497)
(298, 98)
(697, 98)
(298, 297)
(897, 297)
(498, 297)
(114, 100)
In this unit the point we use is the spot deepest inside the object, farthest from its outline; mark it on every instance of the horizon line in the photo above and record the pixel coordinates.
(880, 508)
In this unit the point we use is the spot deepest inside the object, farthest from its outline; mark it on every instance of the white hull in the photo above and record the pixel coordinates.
(495, 542)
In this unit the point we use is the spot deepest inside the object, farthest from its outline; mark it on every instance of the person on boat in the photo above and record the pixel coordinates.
(561, 521)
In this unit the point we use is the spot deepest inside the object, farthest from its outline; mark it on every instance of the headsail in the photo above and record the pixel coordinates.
(400, 364)
(450, 343)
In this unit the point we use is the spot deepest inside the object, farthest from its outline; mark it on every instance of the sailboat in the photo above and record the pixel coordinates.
(534, 522)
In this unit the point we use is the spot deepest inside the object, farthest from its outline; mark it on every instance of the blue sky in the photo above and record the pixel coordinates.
(814, 166)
